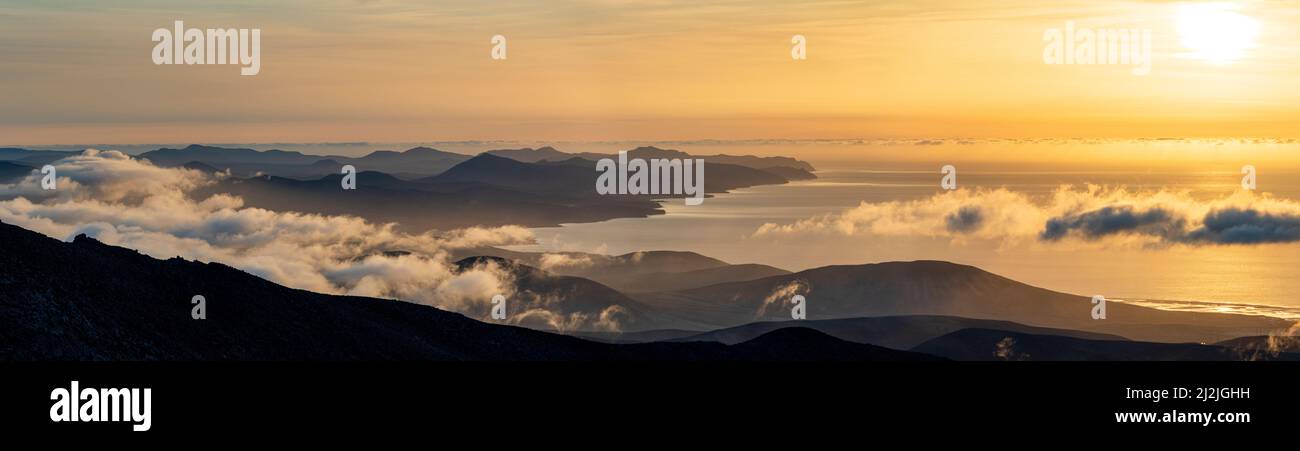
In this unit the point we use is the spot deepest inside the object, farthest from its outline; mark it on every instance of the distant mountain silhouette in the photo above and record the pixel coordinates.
(201, 167)
(34, 158)
(420, 188)
(988, 344)
(243, 162)
(484, 190)
(420, 206)
(729, 171)
(941, 288)
(577, 175)
(607, 266)
(685, 280)
(530, 155)
(11, 172)
(500, 171)
(640, 271)
(804, 344)
(895, 332)
(219, 156)
(88, 301)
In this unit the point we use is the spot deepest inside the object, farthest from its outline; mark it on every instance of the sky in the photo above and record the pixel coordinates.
(401, 71)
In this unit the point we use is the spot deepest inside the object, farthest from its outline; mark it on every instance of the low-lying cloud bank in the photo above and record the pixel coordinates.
(126, 202)
(1087, 214)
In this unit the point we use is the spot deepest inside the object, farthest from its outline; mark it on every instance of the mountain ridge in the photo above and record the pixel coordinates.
(85, 300)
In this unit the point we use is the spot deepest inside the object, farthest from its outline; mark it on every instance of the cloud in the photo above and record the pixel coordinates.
(968, 213)
(556, 261)
(782, 296)
(1114, 219)
(126, 202)
(965, 220)
(1246, 226)
(1088, 214)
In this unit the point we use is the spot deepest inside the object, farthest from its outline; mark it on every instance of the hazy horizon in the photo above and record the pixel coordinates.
(403, 70)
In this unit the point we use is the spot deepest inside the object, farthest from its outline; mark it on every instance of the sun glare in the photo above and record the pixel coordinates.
(1215, 32)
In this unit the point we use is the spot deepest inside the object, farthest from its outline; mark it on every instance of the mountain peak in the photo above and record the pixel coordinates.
(422, 149)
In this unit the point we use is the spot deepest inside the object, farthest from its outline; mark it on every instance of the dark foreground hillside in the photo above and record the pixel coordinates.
(85, 300)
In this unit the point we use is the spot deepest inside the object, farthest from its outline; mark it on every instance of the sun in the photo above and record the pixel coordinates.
(1215, 32)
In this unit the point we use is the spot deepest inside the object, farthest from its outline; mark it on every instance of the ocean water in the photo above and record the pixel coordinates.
(1258, 279)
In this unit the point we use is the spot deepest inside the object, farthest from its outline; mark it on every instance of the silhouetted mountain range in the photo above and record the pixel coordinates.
(531, 155)
(422, 205)
(729, 171)
(463, 191)
(896, 332)
(415, 162)
(34, 158)
(941, 288)
(9, 171)
(88, 301)
(578, 175)
(637, 271)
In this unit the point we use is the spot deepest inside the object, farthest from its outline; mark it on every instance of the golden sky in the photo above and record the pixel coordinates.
(399, 71)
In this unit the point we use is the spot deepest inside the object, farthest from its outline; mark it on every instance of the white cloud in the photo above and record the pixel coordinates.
(1089, 215)
(131, 203)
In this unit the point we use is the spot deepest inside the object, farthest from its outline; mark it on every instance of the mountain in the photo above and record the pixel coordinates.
(988, 344)
(201, 167)
(85, 300)
(530, 155)
(637, 271)
(684, 280)
(422, 206)
(34, 158)
(808, 345)
(641, 262)
(462, 191)
(941, 288)
(895, 332)
(12, 172)
(411, 163)
(567, 296)
(727, 171)
(578, 175)
(243, 162)
(221, 157)
(500, 171)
